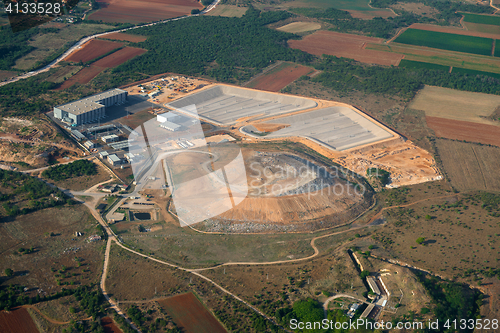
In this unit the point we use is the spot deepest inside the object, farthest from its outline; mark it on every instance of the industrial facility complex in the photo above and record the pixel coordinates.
(224, 105)
(89, 109)
(339, 127)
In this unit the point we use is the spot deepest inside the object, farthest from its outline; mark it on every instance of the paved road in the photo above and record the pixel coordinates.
(88, 38)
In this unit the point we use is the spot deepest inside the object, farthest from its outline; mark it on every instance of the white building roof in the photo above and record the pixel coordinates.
(114, 158)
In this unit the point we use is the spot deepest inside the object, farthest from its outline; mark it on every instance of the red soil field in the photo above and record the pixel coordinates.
(137, 11)
(345, 45)
(190, 314)
(93, 49)
(277, 81)
(118, 57)
(17, 321)
(369, 14)
(464, 130)
(125, 37)
(109, 326)
(452, 30)
(83, 76)
(110, 61)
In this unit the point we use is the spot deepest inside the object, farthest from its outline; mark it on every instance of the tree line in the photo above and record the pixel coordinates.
(70, 170)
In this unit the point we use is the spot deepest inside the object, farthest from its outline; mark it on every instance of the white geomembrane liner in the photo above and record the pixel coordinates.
(215, 183)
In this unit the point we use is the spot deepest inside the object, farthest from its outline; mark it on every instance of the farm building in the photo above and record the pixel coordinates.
(170, 126)
(89, 144)
(114, 160)
(169, 116)
(89, 109)
(109, 138)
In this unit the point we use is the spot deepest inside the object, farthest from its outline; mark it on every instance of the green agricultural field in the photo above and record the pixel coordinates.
(419, 65)
(482, 19)
(445, 41)
(497, 48)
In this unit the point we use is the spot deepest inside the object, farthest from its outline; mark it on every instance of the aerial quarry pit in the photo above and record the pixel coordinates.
(289, 191)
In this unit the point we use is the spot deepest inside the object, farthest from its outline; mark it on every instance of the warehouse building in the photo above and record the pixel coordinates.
(89, 109)
(170, 126)
(114, 160)
(89, 144)
(109, 138)
(169, 116)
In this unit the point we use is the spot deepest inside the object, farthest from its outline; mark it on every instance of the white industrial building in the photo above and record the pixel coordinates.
(89, 109)
(89, 144)
(170, 126)
(169, 116)
(109, 138)
(114, 160)
(103, 154)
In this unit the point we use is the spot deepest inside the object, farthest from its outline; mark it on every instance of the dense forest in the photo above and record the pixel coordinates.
(70, 170)
(344, 75)
(451, 300)
(227, 49)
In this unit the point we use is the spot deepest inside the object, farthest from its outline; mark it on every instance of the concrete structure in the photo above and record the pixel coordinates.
(338, 127)
(119, 145)
(77, 135)
(103, 154)
(109, 138)
(168, 116)
(373, 285)
(223, 104)
(153, 94)
(367, 311)
(89, 144)
(170, 126)
(90, 108)
(114, 160)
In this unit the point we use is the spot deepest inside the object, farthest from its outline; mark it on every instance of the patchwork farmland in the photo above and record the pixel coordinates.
(135, 11)
(470, 166)
(93, 49)
(464, 130)
(17, 321)
(457, 105)
(125, 37)
(114, 59)
(279, 77)
(446, 41)
(296, 27)
(345, 45)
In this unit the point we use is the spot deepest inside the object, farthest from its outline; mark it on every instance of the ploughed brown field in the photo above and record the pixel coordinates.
(110, 61)
(93, 49)
(125, 37)
(190, 314)
(345, 45)
(277, 80)
(136, 11)
(464, 130)
(17, 321)
(83, 76)
(119, 57)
